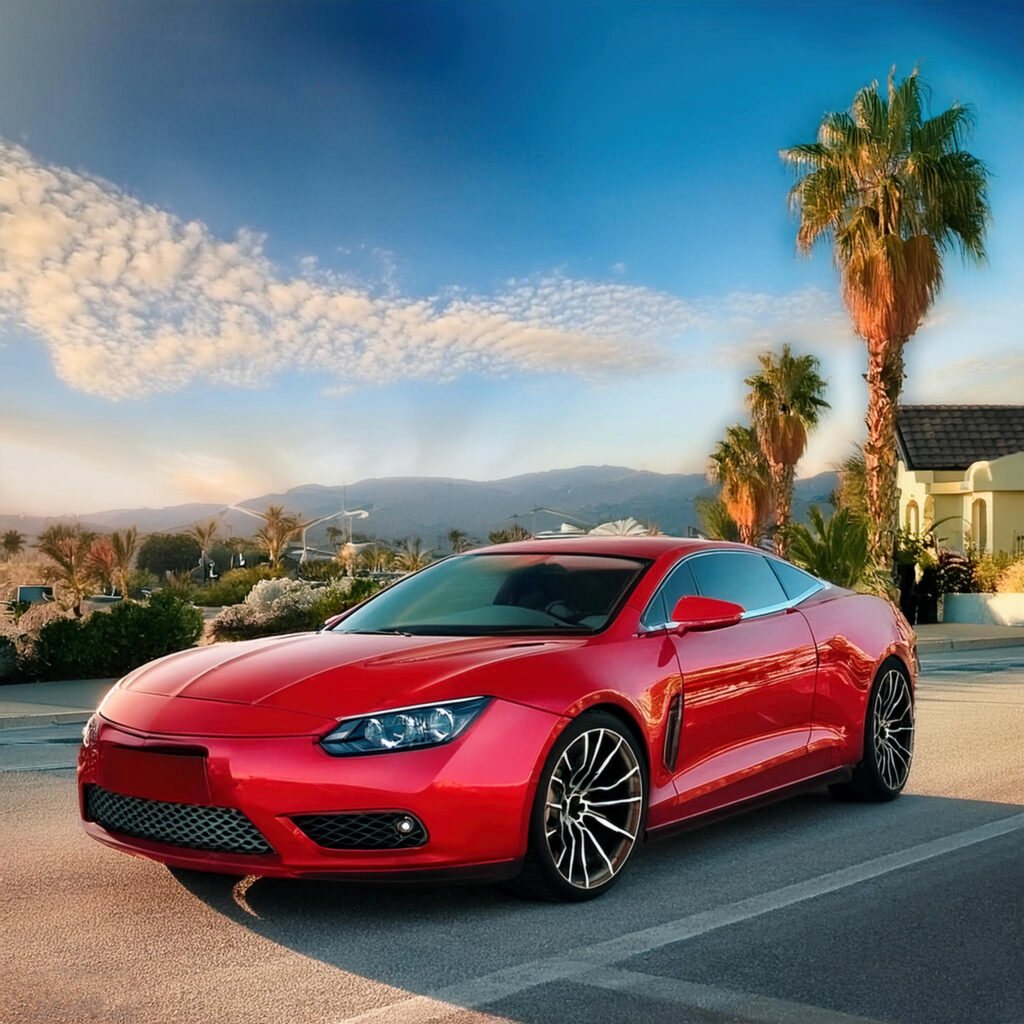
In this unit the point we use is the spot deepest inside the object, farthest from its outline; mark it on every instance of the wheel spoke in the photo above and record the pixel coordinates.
(604, 789)
(609, 824)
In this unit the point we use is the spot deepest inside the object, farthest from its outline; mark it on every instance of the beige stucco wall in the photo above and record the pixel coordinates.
(950, 496)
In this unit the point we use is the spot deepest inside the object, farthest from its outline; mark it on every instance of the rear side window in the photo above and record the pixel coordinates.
(795, 581)
(745, 579)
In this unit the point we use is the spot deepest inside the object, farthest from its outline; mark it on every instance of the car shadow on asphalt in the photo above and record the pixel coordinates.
(421, 937)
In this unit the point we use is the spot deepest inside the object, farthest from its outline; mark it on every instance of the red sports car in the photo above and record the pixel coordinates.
(530, 711)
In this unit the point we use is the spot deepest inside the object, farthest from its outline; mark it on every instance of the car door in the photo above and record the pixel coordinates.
(748, 689)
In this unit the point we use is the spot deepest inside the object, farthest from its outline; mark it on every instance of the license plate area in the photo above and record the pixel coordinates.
(177, 775)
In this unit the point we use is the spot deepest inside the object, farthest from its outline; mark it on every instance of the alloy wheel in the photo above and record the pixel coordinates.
(594, 808)
(893, 729)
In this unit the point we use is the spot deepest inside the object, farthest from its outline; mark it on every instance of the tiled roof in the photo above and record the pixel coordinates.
(954, 436)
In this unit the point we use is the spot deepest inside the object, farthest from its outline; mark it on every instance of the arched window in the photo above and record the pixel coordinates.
(912, 519)
(979, 524)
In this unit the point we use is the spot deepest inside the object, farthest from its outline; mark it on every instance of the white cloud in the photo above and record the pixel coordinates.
(131, 300)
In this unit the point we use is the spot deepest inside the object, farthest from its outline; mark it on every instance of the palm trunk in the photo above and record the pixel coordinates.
(782, 493)
(885, 381)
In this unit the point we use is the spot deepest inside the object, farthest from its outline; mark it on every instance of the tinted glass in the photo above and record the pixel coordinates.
(679, 583)
(746, 580)
(795, 581)
(483, 595)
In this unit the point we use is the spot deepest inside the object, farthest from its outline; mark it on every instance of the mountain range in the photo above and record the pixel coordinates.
(428, 507)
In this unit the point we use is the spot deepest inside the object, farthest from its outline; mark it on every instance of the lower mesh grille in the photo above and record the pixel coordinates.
(362, 831)
(223, 829)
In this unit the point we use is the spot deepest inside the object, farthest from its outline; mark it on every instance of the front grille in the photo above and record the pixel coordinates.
(224, 829)
(361, 831)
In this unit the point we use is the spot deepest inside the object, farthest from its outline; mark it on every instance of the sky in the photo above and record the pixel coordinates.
(249, 246)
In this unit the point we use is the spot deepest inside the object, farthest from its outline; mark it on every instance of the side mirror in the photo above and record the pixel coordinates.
(697, 613)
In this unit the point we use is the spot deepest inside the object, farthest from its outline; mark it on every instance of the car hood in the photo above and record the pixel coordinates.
(332, 675)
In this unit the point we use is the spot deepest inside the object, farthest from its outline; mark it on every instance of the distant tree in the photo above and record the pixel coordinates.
(511, 533)
(739, 465)
(69, 548)
(715, 521)
(102, 565)
(411, 556)
(375, 559)
(851, 491)
(13, 543)
(125, 546)
(161, 553)
(785, 402)
(279, 527)
(459, 541)
(204, 535)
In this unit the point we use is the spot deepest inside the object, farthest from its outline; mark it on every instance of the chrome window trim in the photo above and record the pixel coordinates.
(753, 613)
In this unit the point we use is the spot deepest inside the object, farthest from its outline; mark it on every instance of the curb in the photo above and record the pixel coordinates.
(934, 646)
(44, 718)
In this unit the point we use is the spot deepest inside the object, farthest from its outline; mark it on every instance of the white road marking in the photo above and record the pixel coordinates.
(488, 988)
(738, 1006)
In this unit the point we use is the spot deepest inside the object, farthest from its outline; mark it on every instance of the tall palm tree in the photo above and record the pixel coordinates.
(894, 191)
(68, 547)
(125, 546)
(13, 543)
(785, 401)
(739, 465)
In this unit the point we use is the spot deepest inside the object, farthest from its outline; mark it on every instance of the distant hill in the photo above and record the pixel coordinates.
(428, 507)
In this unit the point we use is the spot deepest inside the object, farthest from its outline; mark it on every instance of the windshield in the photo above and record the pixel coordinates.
(485, 595)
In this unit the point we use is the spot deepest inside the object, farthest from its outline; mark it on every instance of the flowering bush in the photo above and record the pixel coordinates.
(288, 606)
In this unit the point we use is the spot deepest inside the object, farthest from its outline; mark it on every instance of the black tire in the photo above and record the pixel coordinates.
(596, 736)
(888, 739)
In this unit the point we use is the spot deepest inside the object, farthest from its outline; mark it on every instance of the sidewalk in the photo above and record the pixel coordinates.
(966, 636)
(29, 704)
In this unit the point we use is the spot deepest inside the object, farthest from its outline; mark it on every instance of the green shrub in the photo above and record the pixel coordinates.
(836, 551)
(234, 586)
(112, 643)
(1011, 579)
(8, 659)
(987, 569)
(333, 602)
(320, 570)
(168, 552)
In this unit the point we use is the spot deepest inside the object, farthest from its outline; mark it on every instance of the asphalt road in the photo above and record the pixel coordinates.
(807, 911)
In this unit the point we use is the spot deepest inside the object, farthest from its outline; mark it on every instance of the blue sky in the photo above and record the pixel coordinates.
(492, 237)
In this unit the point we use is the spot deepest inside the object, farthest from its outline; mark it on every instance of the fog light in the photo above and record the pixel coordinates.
(405, 825)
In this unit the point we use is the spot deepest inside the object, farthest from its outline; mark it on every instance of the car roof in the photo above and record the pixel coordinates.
(629, 547)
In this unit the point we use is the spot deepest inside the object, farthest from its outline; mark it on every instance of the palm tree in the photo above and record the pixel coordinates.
(375, 559)
(68, 547)
(739, 465)
(851, 490)
(715, 521)
(204, 536)
(279, 527)
(13, 543)
(894, 191)
(785, 402)
(837, 551)
(102, 563)
(125, 545)
(459, 541)
(411, 557)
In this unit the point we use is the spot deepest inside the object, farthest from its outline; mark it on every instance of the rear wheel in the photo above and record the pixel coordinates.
(588, 813)
(888, 739)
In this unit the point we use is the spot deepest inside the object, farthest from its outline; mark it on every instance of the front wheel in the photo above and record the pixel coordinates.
(888, 739)
(588, 813)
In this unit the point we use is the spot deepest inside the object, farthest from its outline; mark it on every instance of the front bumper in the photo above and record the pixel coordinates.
(473, 795)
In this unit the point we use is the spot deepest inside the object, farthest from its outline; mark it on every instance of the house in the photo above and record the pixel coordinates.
(961, 467)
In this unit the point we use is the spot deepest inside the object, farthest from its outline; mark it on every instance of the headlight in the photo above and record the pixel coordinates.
(427, 725)
(89, 731)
